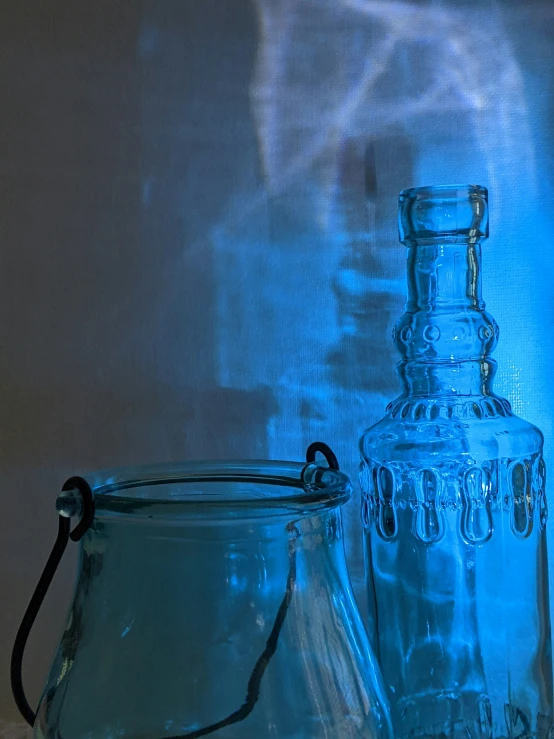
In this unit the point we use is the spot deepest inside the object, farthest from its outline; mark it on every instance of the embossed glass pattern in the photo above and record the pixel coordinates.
(454, 503)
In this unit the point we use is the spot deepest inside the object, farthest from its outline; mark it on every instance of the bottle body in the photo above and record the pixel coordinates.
(456, 545)
(454, 512)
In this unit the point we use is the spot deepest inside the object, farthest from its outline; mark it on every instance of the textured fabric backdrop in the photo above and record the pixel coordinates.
(198, 234)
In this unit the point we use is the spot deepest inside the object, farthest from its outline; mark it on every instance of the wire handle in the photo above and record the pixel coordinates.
(64, 535)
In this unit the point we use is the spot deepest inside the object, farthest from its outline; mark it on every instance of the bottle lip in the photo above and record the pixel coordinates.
(442, 214)
(241, 489)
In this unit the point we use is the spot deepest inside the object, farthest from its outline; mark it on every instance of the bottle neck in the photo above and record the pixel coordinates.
(445, 337)
(444, 276)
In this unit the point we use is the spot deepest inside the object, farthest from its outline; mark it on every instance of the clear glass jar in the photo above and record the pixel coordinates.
(454, 502)
(213, 598)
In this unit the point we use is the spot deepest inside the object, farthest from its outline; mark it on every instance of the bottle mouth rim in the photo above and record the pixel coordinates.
(443, 192)
(443, 214)
(207, 489)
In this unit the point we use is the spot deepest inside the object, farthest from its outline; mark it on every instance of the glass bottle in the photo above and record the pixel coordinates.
(213, 599)
(454, 505)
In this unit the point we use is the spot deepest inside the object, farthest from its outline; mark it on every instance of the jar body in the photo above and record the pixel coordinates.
(171, 616)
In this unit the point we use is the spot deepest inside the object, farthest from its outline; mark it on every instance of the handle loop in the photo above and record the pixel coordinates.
(64, 535)
(320, 446)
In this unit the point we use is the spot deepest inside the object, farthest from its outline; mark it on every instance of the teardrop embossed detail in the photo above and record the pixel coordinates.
(540, 487)
(420, 411)
(470, 499)
(499, 407)
(476, 522)
(489, 409)
(428, 519)
(434, 412)
(369, 503)
(520, 482)
(367, 512)
(387, 524)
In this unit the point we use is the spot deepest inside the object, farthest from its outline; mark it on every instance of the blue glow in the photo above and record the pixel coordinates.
(309, 271)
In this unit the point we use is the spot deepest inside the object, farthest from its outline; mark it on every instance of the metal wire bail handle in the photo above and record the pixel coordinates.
(64, 535)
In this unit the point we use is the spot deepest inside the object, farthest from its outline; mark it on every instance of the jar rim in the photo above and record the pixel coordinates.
(205, 488)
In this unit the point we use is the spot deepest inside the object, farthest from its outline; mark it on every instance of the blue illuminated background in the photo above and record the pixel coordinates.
(198, 228)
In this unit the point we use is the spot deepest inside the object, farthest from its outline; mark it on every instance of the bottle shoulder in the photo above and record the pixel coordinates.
(482, 427)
